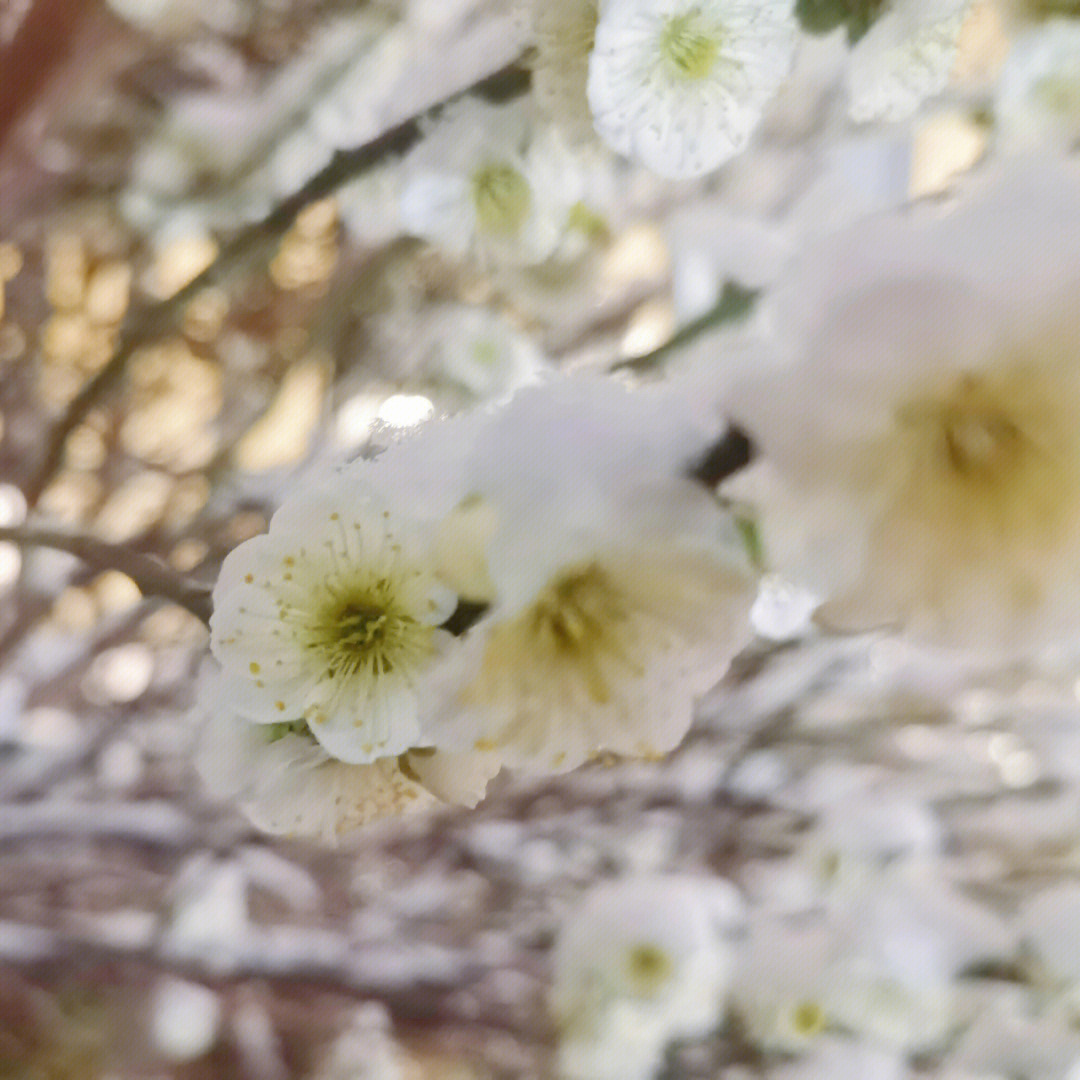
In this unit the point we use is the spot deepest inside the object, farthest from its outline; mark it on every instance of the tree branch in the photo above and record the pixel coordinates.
(42, 42)
(153, 577)
(508, 82)
(735, 302)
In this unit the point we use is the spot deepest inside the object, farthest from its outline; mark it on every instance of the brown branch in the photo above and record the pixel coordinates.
(508, 82)
(735, 303)
(42, 42)
(153, 577)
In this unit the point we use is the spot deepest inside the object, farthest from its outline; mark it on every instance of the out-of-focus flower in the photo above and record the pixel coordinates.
(641, 963)
(186, 1019)
(365, 1050)
(922, 449)
(487, 180)
(471, 355)
(286, 783)
(904, 58)
(1038, 92)
(680, 85)
(331, 617)
(782, 984)
(905, 943)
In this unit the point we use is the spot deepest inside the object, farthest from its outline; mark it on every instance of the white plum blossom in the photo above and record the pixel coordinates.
(680, 85)
(1012, 1036)
(631, 620)
(619, 592)
(608, 616)
(904, 58)
(920, 424)
(643, 962)
(905, 943)
(1049, 924)
(1038, 92)
(782, 983)
(487, 179)
(331, 618)
(470, 354)
(287, 784)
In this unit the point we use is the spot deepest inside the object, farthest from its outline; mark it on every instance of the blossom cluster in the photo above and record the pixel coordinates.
(681, 86)
(533, 587)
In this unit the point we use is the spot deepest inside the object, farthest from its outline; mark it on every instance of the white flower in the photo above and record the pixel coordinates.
(472, 354)
(922, 432)
(286, 783)
(485, 179)
(1038, 91)
(603, 633)
(185, 1019)
(781, 989)
(904, 58)
(331, 618)
(365, 1050)
(619, 592)
(680, 84)
(643, 962)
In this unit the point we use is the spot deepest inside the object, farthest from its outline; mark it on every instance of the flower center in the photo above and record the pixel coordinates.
(367, 635)
(977, 437)
(808, 1018)
(578, 618)
(571, 610)
(690, 45)
(486, 353)
(648, 967)
(1059, 94)
(361, 626)
(501, 197)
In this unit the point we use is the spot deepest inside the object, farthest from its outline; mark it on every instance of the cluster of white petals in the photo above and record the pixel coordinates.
(358, 690)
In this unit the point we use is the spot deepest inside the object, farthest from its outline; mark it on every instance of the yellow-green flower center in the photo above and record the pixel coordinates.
(972, 426)
(690, 45)
(501, 197)
(808, 1018)
(579, 618)
(648, 967)
(1059, 94)
(486, 353)
(367, 634)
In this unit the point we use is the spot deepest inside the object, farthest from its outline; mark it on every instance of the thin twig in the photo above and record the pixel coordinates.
(153, 577)
(508, 82)
(735, 302)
